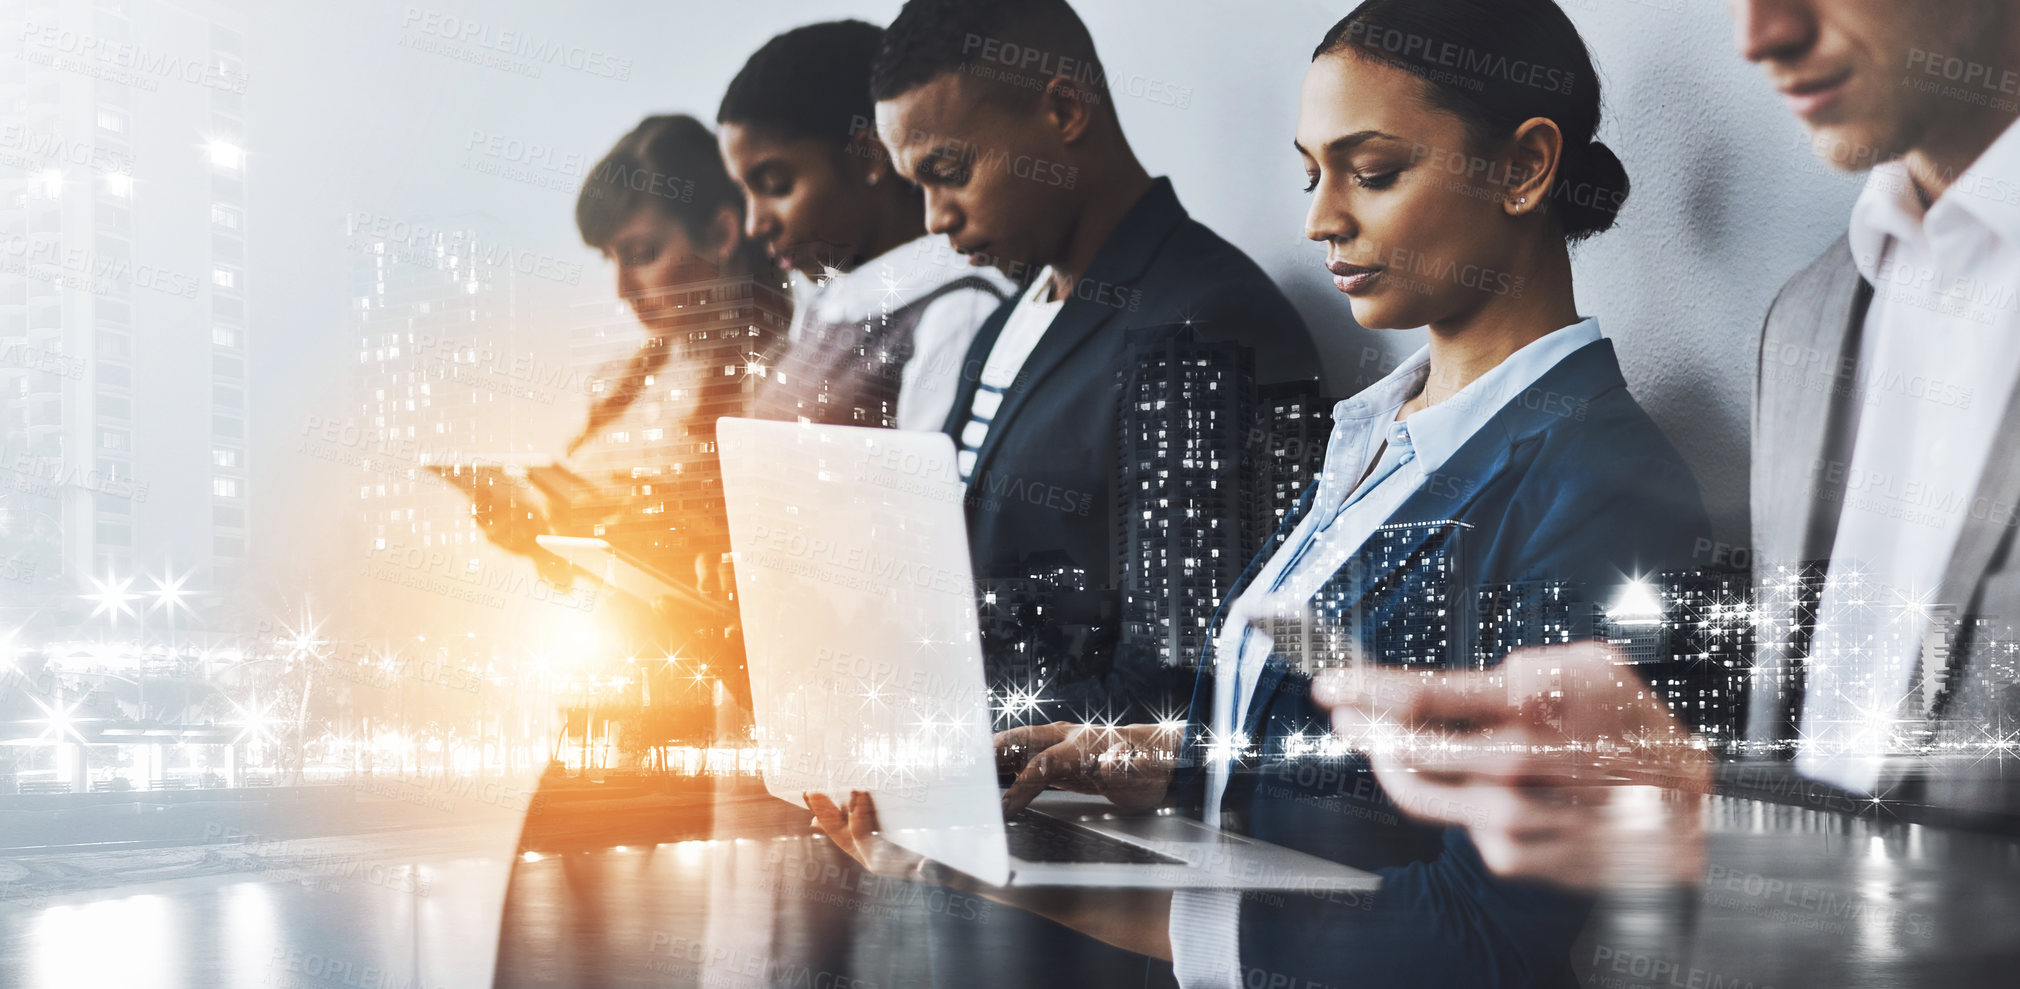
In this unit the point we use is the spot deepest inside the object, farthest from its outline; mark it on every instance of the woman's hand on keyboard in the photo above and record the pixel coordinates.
(1128, 764)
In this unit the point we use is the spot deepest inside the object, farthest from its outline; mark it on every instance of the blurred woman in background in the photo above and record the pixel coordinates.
(663, 210)
(641, 472)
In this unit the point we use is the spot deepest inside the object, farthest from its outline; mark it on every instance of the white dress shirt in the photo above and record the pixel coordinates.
(1937, 363)
(1026, 326)
(1345, 511)
(940, 341)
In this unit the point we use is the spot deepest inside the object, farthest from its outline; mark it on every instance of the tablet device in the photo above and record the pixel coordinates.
(628, 573)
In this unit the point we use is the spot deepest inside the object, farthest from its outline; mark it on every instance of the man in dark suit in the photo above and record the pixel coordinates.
(998, 109)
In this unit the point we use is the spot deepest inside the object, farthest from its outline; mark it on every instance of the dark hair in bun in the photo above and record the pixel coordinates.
(1495, 64)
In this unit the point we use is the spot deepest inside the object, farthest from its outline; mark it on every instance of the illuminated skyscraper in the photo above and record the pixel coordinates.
(124, 309)
(1529, 613)
(1430, 625)
(1294, 424)
(1034, 624)
(1632, 623)
(440, 376)
(1709, 640)
(1186, 491)
(673, 382)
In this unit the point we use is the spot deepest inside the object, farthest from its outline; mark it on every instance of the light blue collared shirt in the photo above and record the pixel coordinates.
(1345, 511)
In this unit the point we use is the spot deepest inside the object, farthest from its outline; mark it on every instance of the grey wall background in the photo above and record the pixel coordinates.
(348, 115)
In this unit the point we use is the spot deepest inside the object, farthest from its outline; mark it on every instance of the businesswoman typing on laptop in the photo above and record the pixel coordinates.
(1503, 458)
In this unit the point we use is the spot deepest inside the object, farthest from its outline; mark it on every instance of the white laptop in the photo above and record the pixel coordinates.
(866, 671)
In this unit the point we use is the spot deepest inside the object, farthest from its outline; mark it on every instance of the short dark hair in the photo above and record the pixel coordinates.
(669, 163)
(1495, 64)
(930, 38)
(811, 81)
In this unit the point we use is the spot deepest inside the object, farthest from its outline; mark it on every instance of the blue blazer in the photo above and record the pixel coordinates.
(1570, 481)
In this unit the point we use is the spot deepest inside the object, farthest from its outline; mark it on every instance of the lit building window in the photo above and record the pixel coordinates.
(227, 155)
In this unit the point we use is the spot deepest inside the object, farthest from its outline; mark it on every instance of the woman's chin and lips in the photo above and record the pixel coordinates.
(1364, 286)
(1356, 280)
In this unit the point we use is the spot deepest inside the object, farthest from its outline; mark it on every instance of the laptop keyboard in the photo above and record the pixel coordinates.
(1037, 838)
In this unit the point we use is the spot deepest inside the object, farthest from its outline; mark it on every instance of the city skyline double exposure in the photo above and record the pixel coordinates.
(897, 493)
